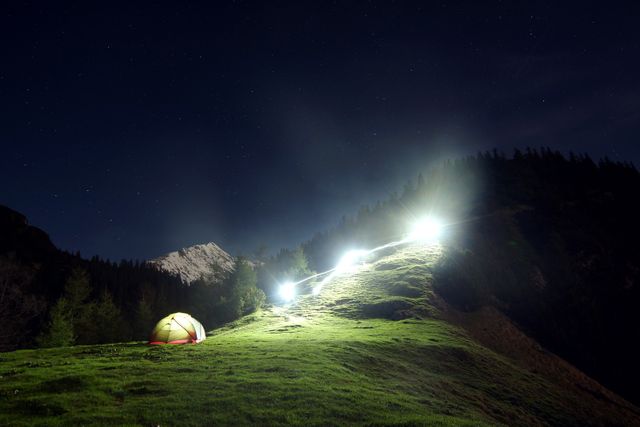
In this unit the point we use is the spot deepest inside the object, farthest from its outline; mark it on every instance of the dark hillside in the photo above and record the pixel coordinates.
(27, 242)
(31, 248)
(550, 241)
(34, 273)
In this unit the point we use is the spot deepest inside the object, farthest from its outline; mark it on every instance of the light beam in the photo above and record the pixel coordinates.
(426, 230)
(350, 259)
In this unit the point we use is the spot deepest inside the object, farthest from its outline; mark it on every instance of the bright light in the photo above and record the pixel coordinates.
(350, 259)
(287, 291)
(426, 230)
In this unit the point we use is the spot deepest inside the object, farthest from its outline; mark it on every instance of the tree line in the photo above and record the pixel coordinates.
(549, 239)
(63, 299)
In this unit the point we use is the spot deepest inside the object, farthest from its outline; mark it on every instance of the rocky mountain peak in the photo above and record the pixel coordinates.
(196, 262)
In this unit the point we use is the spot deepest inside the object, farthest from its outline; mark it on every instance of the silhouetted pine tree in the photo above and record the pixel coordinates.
(59, 330)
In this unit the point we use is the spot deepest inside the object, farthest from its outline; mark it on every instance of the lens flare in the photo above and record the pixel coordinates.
(426, 230)
(350, 259)
(287, 291)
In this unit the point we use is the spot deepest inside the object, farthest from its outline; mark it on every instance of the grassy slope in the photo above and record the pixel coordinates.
(333, 359)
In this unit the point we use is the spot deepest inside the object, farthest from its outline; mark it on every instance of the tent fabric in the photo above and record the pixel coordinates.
(178, 328)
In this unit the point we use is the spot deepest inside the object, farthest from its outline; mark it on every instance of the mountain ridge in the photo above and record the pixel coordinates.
(206, 260)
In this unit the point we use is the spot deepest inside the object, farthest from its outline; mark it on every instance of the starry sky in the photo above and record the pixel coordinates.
(131, 130)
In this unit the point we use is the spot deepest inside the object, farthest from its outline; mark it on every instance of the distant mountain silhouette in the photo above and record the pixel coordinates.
(26, 241)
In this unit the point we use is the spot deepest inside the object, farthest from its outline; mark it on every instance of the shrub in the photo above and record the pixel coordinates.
(59, 330)
(245, 297)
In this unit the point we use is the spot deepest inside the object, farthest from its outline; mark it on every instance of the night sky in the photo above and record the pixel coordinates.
(131, 131)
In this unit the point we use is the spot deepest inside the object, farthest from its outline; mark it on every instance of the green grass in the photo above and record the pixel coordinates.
(331, 360)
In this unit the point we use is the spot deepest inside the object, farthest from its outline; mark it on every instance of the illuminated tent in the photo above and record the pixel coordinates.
(177, 328)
